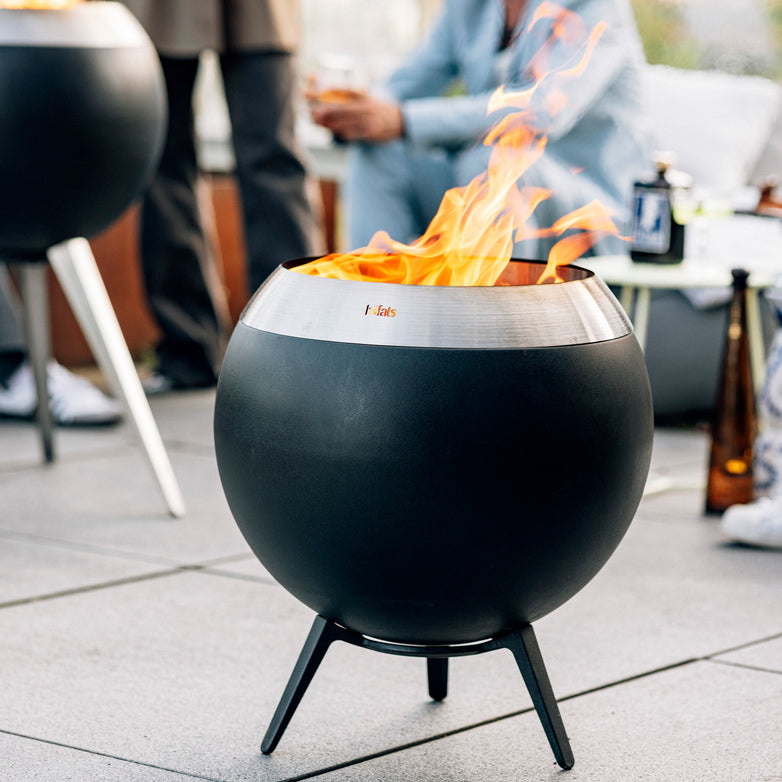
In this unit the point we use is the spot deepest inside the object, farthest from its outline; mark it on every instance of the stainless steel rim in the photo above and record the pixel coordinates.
(86, 25)
(576, 312)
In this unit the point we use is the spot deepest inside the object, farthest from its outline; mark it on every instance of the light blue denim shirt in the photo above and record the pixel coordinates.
(600, 130)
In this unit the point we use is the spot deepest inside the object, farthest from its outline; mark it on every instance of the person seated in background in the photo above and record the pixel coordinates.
(413, 142)
(73, 400)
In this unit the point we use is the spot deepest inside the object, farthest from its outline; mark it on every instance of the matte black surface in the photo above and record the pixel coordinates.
(432, 495)
(81, 129)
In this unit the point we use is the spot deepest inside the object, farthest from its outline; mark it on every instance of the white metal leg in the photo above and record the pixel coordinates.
(641, 317)
(658, 484)
(757, 349)
(635, 302)
(627, 299)
(78, 274)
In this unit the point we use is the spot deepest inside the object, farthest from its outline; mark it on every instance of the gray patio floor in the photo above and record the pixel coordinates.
(137, 647)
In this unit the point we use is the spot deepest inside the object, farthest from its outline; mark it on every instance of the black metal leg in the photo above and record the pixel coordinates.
(35, 312)
(525, 649)
(322, 635)
(437, 672)
(522, 643)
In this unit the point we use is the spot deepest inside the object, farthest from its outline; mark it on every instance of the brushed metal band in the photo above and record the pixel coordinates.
(576, 312)
(86, 25)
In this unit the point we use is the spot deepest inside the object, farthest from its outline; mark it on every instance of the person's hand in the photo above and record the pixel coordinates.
(352, 115)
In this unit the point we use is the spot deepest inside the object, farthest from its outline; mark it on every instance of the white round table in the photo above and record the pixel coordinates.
(636, 281)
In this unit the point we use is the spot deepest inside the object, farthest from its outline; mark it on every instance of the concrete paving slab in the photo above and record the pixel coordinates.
(20, 446)
(32, 569)
(25, 760)
(676, 505)
(766, 656)
(172, 655)
(177, 413)
(700, 722)
(677, 477)
(246, 567)
(184, 672)
(112, 502)
(677, 449)
(671, 592)
(661, 599)
(184, 421)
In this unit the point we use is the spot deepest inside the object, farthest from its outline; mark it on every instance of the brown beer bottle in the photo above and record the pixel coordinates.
(735, 420)
(769, 204)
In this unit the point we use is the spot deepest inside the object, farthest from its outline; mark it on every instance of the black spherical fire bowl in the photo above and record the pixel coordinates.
(82, 125)
(433, 465)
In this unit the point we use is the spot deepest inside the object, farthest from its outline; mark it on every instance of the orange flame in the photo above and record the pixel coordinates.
(471, 238)
(40, 4)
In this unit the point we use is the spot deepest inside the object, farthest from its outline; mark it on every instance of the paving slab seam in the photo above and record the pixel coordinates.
(108, 755)
(475, 725)
(212, 571)
(510, 715)
(93, 587)
(10, 470)
(94, 548)
(746, 666)
(190, 448)
(173, 571)
(88, 548)
(13, 469)
(707, 658)
(313, 774)
(745, 645)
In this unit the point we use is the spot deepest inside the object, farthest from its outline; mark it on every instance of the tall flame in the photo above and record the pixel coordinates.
(471, 238)
(56, 5)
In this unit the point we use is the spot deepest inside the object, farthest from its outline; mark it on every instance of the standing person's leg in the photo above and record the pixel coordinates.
(177, 260)
(280, 223)
(12, 344)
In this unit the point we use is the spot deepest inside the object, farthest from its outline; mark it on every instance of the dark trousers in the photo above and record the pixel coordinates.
(12, 341)
(180, 270)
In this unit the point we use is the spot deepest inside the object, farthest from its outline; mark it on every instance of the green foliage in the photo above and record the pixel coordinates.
(774, 14)
(664, 33)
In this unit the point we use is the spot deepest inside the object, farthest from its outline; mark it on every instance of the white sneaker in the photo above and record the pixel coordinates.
(767, 462)
(73, 400)
(758, 524)
(770, 396)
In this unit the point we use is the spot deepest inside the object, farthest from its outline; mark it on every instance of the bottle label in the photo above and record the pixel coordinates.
(651, 220)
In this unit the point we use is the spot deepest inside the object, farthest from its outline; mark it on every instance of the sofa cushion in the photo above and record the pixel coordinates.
(717, 124)
(770, 162)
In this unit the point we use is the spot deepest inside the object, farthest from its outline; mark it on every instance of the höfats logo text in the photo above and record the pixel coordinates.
(380, 311)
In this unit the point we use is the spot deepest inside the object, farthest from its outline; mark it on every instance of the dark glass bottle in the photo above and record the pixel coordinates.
(735, 419)
(656, 236)
(769, 204)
